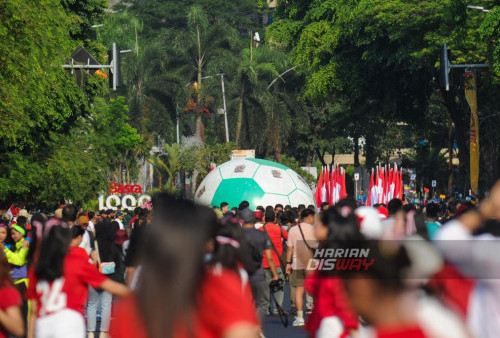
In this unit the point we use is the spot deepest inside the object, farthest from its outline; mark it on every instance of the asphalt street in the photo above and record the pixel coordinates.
(273, 327)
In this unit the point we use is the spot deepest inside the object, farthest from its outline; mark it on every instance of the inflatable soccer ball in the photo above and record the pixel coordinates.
(260, 182)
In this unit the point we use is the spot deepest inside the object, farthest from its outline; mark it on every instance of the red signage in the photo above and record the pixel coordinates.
(115, 188)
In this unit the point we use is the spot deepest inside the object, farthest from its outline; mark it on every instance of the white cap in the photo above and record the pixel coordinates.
(369, 222)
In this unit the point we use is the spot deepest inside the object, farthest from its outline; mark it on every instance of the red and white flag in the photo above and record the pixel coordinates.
(318, 194)
(12, 212)
(372, 192)
(380, 184)
(328, 186)
(343, 192)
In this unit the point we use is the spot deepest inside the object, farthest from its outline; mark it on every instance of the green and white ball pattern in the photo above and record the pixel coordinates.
(260, 182)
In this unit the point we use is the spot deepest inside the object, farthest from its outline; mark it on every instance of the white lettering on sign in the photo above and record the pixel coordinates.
(126, 202)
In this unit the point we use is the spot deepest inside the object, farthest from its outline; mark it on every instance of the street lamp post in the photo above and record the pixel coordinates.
(223, 101)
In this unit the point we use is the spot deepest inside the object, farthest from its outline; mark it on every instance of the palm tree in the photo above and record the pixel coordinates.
(256, 70)
(207, 42)
(171, 164)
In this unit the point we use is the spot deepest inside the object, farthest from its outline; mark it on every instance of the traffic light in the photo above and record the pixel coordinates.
(114, 71)
(444, 68)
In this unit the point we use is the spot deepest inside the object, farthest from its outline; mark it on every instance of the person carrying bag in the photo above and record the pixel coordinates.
(276, 234)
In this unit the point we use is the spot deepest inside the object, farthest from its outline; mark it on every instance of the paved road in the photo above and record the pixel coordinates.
(273, 327)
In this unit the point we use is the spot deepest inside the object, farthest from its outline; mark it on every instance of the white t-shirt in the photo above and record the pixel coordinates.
(91, 227)
(119, 223)
(85, 244)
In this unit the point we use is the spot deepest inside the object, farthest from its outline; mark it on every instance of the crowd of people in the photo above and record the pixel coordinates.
(179, 269)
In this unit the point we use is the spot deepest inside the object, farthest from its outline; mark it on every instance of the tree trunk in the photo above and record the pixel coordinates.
(240, 116)
(459, 113)
(200, 129)
(356, 151)
(277, 150)
(450, 155)
(369, 151)
(193, 182)
(321, 156)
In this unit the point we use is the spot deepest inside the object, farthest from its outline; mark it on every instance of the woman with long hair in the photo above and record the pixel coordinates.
(177, 294)
(11, 319)
(100, 300)
(59, 284)
(230, 249)
(332, 315)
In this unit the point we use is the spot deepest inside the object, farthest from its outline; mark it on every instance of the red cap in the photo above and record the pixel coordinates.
(258, 214)
(382, 211)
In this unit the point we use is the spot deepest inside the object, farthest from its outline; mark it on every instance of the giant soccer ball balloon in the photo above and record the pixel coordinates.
(260, 182)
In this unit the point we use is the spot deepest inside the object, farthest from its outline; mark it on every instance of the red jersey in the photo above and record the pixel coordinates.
(330, 299)
(454, 288)
(71, 290)
(9, 296)
(276, 234)
(222, 302)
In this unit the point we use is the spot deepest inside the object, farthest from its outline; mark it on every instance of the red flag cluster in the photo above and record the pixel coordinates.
(13, 211)
(386, 183)
(331, 186)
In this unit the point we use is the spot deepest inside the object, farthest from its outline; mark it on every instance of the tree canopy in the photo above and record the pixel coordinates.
(327, 77)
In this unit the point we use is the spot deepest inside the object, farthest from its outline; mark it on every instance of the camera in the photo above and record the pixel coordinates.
(277, 285)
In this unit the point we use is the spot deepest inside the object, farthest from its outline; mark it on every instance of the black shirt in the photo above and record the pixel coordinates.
(258, 241)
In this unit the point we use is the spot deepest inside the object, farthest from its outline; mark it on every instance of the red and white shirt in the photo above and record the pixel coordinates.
(69, 291)
(223, 301)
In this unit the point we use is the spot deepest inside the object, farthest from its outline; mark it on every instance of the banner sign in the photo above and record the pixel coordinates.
(471, 96)
(241, 154)
(125, 202)
(115, 188)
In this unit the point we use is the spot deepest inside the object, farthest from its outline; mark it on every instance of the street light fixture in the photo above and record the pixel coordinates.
(97, 30)
(479, 8)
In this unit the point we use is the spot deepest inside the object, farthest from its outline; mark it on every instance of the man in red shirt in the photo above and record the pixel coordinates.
(276, 233)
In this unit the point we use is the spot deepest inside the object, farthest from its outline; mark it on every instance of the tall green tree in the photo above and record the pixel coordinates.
(379, 59)
(256, 70)
(41, 104)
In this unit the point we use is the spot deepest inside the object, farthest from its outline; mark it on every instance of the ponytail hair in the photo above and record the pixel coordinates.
(5, 279)
(172, 262)
(76, 231)
(54, 248)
